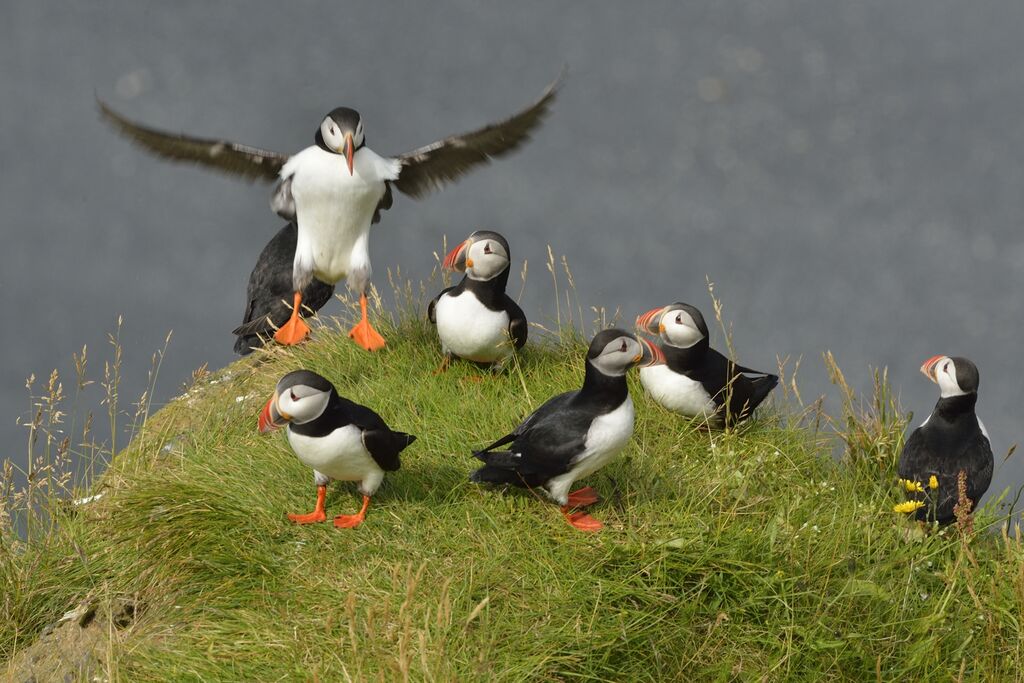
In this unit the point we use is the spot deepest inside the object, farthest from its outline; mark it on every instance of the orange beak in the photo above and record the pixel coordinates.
(456, 258)
(651, 355)
(928, 369)
(651, 321)
(270, 417)
(350, 152)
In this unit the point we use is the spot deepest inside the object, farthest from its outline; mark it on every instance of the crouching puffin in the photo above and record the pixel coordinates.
(337, 188)
(475, 319)
(696, 380)
(270, 286)
(339, 439)
(950, 441)
(576, 433)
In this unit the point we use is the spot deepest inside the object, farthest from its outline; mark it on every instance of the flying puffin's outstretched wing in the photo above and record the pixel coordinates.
(228, 157)
(431, 167)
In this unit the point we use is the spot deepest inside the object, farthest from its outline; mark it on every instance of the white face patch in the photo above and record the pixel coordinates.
(618, 356)
(357, 138)
(488, 257)
(945, 377)
(332, 134)
(302, 403)
(680, 329)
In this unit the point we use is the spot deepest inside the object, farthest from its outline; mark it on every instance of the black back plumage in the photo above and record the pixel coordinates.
(950, 441)
(735, 389)
(383, 443)
(490, 293)
(270, 292)
(549, 440)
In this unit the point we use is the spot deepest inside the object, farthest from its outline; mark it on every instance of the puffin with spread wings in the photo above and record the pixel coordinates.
(336, 189)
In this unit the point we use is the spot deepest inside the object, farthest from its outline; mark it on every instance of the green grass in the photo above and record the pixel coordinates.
(747, 555)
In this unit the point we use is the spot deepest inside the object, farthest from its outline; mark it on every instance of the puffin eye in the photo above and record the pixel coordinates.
(487, 248)
(679, 319)
(623, 347)
(291, 392)
(945, 366)
(332, 130)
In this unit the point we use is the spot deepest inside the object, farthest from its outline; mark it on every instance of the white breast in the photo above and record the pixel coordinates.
(334, 209)
(340, 454)
(677, 392)
(470, 330)
(607, 436)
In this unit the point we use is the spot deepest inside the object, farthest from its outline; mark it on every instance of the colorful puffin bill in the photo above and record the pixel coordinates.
(952, 440)
(336, 189)
(339, 439)
(576, 433)
(475, 319)
(697, 381)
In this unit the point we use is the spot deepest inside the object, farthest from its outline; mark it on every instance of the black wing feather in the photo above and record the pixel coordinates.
(228, 157)
(270, 289)
(433, 166)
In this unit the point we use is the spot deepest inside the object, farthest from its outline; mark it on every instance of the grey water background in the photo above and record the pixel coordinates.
(849, 174)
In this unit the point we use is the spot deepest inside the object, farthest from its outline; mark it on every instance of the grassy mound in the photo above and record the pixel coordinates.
(744, 555)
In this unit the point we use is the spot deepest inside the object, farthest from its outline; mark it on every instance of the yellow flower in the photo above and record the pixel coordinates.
(913, 486)
(908, 507)
(933, 483)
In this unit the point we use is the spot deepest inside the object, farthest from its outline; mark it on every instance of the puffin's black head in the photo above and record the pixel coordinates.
(955, 375)
(680, 325)
(613, 352)
(482, 256)
(341, 132)
(300, 396)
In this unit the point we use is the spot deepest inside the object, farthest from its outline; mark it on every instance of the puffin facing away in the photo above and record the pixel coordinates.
(270, 286)
(576, 433)
(339, 439)
(336, 188)
(697, 381)
(475, 319)
(950, 441)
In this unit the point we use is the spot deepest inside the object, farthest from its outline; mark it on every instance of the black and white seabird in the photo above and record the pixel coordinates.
(270, 287)
(336, 188)
(339, 439)
(576, 433)
(950, 441)
(697, 381)
(475, 319)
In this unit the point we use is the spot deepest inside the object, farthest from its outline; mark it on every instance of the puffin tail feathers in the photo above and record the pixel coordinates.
(762, 387)
(494, 475)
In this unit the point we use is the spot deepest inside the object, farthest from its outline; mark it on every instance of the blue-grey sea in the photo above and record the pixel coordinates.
(850, 175)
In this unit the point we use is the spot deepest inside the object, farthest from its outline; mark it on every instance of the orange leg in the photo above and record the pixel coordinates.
(296, 329)
(363, 332)
(352, 521)
(317, 515)
(581, 520)
(583, 497)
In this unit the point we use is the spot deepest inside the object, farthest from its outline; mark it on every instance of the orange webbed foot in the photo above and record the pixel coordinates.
(310, 518)
(352, 521)
(583, 497)
(318, 514)
(581, 520)
(292, 332)
(367, 337)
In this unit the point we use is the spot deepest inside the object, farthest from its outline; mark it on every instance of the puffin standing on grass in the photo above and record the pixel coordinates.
(336, 189)
(697, 381)
(576, 433)
(339, 439)
(475, 319)
(950, 441)
(270, 285)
